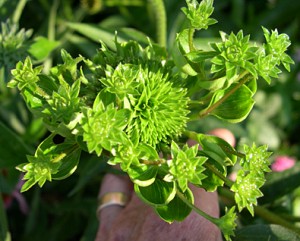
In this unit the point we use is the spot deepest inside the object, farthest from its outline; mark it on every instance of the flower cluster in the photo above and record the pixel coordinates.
(13, 44)
(251, 177)
(199, 14)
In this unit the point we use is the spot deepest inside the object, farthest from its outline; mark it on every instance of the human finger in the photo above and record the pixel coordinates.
(115, 191)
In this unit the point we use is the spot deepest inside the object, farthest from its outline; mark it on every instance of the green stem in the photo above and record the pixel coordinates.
(18, 11)
(197, 210)
(153, 163)
(228, 182)
(51, 31)
(245, 76)
(263, 212)
(191, 37)
(118, 3)
(158, 8)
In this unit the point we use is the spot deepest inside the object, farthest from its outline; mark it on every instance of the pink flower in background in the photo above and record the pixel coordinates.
(282, 163)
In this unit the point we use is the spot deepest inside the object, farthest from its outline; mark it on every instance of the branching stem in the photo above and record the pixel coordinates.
(197, 210)
(228, 182)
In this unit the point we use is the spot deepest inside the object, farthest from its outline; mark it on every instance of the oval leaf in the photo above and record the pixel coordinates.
(143, 176)
(236, 107)
(158, 193)
(176, 210)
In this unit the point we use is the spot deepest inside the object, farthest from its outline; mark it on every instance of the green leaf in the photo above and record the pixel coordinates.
(200, 56)
(96, 33)
(42, 47)
(158, 193)
(12, 148)
(236, 107)
(143, 175)
(184, 48)
(212, 181)
(270, 232)
(68, 166)
(176, 210)
(226, 154)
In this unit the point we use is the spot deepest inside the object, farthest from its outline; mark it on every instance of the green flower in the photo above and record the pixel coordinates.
(235, 53)
(256, 159)
(227, 223)
(143, 81)
(159, 106)
(13, 44)
(186, 166)
(266, 66)
(103, 127)
(38, 170)
(276, 46)
(246, 190)
(199, 14)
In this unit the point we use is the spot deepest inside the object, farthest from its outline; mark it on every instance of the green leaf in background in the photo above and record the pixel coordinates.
(264, 232)
(12, 148)
(279, 184)
(176, 210)
(158, 193)
(96, 33)
(42, 47)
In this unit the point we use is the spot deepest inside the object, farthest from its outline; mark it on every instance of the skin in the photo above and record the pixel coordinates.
(139, 222)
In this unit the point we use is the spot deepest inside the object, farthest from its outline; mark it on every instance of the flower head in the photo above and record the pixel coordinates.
(13, 44)
(143, 81)
(235, 52)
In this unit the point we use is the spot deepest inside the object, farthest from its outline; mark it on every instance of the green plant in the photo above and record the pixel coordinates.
(131, 104)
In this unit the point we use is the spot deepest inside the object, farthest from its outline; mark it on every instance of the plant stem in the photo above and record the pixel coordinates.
(18, 11)
(228, 182)
(161, 21)
(245, 76)
(197, 210)
(191, 37)
(51, 31)
(118, 3)
(263, 212)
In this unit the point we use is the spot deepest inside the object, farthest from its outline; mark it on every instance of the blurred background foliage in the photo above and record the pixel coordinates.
(65, 210)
